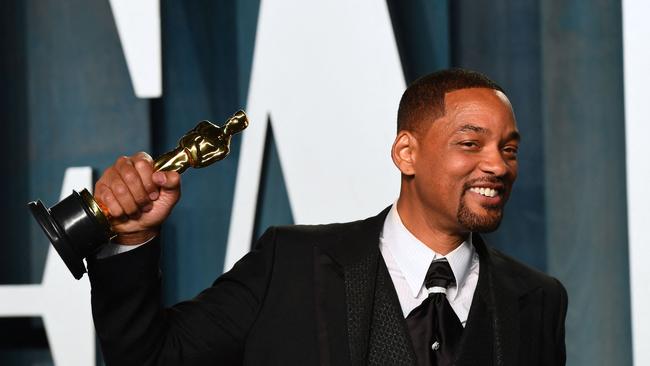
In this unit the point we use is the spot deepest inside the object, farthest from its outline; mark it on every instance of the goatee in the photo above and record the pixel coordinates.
(485, 223)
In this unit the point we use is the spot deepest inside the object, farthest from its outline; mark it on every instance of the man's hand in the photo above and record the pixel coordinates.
(138, 199)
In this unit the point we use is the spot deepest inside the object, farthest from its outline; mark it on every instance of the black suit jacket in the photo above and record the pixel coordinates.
(315, 295)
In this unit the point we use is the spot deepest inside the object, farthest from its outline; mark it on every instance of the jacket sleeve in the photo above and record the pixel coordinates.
(559, 330)
(550, 349)
(134, 328)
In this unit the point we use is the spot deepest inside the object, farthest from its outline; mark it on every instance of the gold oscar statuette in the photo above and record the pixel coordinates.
(78, 225)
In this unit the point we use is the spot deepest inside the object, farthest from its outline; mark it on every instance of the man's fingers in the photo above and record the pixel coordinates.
(144, 166)
(105, 195)
(143, 155)
(130, 190)
(123, 196)
(132, 196)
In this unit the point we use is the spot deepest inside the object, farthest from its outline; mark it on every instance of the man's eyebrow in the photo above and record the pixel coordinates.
(472, 128)
(514, 135)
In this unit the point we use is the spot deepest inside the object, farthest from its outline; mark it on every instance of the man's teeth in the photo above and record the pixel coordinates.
(488, 192)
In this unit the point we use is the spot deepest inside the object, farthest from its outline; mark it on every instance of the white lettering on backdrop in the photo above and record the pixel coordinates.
(138, 26)
(636, 58)
(328, 75)
(62, 301)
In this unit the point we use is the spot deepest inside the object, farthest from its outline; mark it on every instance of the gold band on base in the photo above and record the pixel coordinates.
(100, 215)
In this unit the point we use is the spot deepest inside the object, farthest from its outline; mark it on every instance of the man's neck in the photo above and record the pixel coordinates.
(427, 229)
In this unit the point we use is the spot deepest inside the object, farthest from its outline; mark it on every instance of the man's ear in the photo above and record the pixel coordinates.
(404, 151)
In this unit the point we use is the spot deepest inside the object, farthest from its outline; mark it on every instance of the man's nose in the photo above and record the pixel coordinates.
(493, 163)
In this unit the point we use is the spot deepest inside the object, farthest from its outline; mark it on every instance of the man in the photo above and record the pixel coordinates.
(414, 285)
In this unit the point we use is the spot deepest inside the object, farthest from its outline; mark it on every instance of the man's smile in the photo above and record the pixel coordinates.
(487, 192)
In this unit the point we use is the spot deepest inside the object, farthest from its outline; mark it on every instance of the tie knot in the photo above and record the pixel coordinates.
(439, 275)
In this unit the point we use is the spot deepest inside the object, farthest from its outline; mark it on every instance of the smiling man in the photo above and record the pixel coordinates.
(414, 285)
(458, 158)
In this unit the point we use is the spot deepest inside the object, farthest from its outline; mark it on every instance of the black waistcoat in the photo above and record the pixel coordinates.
(390, 342)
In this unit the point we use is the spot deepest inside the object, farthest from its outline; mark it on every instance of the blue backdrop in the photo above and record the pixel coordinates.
(66, 99)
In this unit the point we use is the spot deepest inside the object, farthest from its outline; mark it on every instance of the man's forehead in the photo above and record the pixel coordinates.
(474, 97)
(478, 110)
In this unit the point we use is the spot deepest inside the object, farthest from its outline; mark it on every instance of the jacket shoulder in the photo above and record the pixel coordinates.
(346, 242)
(332, 234)
(302, 233)
(525, 274)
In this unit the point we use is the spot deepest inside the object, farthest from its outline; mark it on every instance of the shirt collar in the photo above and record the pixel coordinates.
(414, 258)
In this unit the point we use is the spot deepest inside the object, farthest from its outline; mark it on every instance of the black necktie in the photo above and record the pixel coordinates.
(434, 326)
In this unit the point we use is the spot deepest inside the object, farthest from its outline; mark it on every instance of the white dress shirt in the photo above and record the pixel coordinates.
(408, 260)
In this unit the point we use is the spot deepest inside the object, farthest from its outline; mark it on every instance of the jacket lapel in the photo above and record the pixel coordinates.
(508, 294)
(501, 296)
(355, 292)
(331, 310)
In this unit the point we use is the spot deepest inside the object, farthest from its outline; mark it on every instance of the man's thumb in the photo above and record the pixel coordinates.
(167, 180)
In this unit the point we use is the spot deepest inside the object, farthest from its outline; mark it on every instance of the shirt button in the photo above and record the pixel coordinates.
(435, 346)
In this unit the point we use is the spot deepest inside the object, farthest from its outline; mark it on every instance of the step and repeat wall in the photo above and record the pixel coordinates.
(84, 82)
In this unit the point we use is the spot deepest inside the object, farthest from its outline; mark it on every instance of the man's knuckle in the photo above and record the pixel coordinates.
(142, 164)
(107, 198)
(130, 177)
(119, 188)
(150, 187)
(116, 210)
(121, 160)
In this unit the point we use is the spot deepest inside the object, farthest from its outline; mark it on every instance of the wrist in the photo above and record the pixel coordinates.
(134, 238)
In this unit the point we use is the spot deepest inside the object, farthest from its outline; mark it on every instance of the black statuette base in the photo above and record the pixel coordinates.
(72, 229)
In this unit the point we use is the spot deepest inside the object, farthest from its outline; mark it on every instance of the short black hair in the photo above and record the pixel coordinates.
(425, 97)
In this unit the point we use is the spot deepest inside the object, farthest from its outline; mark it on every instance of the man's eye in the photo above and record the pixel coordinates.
(511, 150)
(469, 144)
